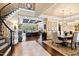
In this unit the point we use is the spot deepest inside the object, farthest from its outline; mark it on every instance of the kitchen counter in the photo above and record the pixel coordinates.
(29, 34)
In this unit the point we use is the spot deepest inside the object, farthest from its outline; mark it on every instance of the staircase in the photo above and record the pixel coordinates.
(4, 46)
(20, 11)
(7, 42)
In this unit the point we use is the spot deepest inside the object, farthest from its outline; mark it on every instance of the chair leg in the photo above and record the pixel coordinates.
(75, 45)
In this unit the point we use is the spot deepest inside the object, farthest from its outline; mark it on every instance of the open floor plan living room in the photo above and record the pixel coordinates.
(39, 29)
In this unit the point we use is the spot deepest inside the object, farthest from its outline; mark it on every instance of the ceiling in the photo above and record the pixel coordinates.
(54, 9)
(41, 7)
(62, 10)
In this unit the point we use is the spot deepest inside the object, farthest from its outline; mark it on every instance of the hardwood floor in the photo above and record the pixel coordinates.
(29, 48)
(37, 49)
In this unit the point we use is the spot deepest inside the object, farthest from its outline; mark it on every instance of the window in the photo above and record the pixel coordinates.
(25, 20)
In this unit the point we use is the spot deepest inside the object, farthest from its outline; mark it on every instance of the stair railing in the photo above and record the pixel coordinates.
(11, 38)
(8, 9)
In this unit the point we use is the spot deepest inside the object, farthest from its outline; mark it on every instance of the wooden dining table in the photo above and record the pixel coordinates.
(68, 37)
(65, 38)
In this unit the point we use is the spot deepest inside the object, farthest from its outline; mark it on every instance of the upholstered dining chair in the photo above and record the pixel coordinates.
(74, 41)
(55, 37)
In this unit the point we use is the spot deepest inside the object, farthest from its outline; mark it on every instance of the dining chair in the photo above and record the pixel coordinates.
(62, 33)
(73, 41)
(55, 38)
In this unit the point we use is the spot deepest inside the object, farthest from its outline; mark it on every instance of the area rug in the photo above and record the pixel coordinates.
(66, 51)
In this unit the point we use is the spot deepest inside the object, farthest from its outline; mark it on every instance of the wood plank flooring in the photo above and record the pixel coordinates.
(29, 48)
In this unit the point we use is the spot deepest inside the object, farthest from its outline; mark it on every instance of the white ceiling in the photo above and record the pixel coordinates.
(59, 10)
(63, 9)
(41, 7)
(54, 9)
(62, 12)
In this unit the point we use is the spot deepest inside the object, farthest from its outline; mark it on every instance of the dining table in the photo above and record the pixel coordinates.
(64, 38)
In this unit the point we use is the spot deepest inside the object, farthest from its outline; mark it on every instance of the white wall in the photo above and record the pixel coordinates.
(14, 21)
(52, 25)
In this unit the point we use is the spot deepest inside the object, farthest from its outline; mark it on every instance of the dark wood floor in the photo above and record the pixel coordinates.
(29, 48)
(46, 47)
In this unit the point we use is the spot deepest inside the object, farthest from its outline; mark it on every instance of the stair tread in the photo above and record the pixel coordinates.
(1, 53)
(2, 41)
(1, 38)
(7, 51)
(3, 46)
